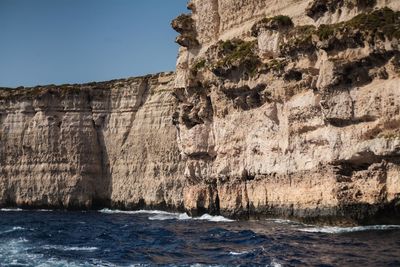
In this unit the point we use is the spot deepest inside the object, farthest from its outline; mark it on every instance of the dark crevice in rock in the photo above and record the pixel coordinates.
(345, 215)
(365, 214)
(201, 156)
(211, 198)
(293, 75)
(105, 185)
(357, 73)
(234, 59)
(101, 189)
(196, 107)
(360, 72)
(347, 169)
(142, 205)
(362, 162)
(247, 176)
(246, 98)
(318, 8)
(217, 205)
(142, 95)
(339, 122)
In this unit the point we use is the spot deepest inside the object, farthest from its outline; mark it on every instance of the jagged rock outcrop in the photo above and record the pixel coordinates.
(99, 144)
(281, 115)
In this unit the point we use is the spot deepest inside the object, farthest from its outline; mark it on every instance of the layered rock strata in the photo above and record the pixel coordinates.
(282, 115)
(277, 109)
(98, 144)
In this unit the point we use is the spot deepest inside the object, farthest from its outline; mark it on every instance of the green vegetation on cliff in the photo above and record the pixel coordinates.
(236, 54)
(318, 8)
(230, 55)
(380, 24)
(279, 22)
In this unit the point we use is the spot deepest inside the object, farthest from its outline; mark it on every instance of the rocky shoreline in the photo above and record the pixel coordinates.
(287, 110)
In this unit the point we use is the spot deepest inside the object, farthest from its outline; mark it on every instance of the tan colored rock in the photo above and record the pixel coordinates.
(79, 146)
(301, 122)
(268, 43)
(311, 133)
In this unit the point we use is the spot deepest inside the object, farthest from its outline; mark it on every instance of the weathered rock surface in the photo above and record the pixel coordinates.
(277, 109)
(283, 116)
(82, 146)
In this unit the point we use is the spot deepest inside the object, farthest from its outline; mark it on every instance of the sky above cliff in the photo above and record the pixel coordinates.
(75, 41)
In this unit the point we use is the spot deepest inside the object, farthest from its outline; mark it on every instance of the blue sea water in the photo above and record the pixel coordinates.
(155, 238)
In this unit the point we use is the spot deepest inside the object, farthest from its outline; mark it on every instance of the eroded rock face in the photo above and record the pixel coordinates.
(277, 109)
(82, 146)
(303, 119)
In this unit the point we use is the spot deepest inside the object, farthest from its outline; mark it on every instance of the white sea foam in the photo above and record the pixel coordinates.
(67, 248)
(110, 211)
(339, 230)
(275, 263)
(282, 221)
(6, 209)
(208, 217)
(233, 253)
(18, 209)
(170, 216)
(164, 215)
(184, 217)
(17, 252)
(204, 265)
(15, 228)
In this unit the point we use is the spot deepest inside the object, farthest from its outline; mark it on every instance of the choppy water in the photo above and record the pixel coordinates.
(141, 238)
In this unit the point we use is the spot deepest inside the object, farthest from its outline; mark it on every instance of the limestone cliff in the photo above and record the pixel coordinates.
(277, 109)
(99, 144)
(283, 115)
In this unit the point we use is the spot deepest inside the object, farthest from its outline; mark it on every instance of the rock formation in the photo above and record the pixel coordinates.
(282, 115)
(277, 109)
(99, 144)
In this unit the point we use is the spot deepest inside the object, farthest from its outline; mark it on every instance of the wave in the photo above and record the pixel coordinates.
(159, 215)
(8, 209)
(110, 211)
(44, 210)
(170, 216)
(291, 224)
(204, 265)
(18, 209)
(233, 253)
(15, 228)
(340, 230)
(274, 263)
(18, 252)
(67, 248)
(282, 221)
(208, 217)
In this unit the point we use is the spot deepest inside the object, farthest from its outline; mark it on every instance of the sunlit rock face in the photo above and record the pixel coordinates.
(277, 109)
(281, 115)
(99, 144)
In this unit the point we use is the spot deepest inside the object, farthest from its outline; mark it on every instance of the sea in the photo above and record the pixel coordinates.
(157, 238)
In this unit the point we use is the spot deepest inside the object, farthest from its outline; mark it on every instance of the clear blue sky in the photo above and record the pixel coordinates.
(75, 41)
